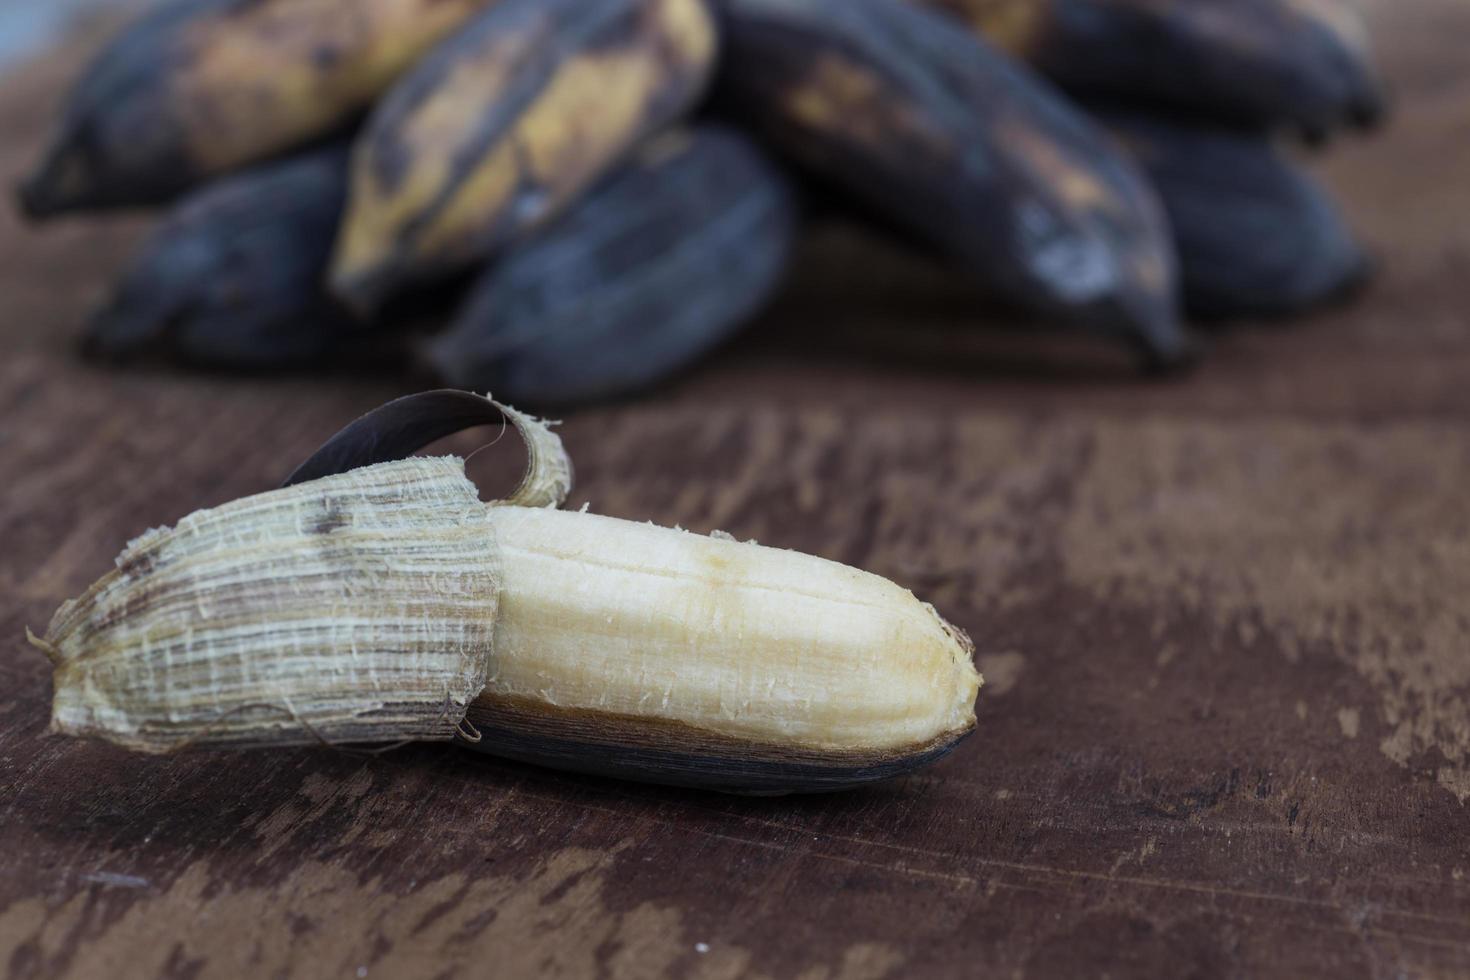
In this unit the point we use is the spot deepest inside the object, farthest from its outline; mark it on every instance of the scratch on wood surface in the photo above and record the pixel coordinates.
(1202, 888)
(115, 879)
(971, 882)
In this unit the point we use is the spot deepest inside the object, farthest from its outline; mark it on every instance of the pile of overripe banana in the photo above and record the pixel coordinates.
(606, 189)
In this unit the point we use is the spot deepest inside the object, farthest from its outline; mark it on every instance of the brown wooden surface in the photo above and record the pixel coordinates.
(1225, 622)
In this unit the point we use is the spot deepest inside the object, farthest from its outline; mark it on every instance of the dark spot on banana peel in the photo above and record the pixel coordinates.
(657, 265)
(949, 139)
(1256, 235)
(197, 88)
(333, 518)
(505, 124)
(1299, 64)
(233, 275)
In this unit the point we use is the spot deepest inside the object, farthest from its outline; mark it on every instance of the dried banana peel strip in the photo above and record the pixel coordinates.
(407, 424)
(358, 608)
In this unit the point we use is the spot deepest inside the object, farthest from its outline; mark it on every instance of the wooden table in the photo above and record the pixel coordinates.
(1225, 621)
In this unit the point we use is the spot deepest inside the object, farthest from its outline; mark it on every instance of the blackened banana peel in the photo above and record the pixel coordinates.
(1304, 64)
(233, 277)
(948, 139)
(655, 267)
(1256, 235)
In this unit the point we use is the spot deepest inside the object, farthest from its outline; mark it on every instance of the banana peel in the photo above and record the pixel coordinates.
(504, 125)
(949, 140)
(200, 88)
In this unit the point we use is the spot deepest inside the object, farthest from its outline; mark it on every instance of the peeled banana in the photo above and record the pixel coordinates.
(946, 138)
(1256, 235)
(234, 275)
(1254, 62)
(384, 602)
(201, 87)
(657, 265)
(645, 652)
(503, 125)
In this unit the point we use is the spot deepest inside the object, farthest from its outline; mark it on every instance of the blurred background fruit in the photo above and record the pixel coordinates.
(1100, 165)
(232, 277)
(657, 266)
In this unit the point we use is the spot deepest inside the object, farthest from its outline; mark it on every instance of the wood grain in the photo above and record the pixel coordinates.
(1227, 730)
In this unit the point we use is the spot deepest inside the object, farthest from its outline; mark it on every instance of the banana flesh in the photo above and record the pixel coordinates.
(740, 666)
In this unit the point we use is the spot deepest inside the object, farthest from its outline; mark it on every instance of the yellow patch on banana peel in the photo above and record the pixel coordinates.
(1070, 180)
(845, 98)
(560, 145)
(1014, 26)
(273, 74)
(386, 200)
(197, 88)
(505, 125)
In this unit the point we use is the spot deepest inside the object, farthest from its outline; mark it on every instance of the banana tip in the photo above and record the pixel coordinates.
(1172, 359)
(107, 337)
(361, 291)
(1372, 110)
(34, 199)
(60, 181)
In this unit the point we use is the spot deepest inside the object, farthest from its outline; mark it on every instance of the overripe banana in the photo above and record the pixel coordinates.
(503, 125)
(233, 277)
(499, 116)
(1256, 235)
(945, 137)
(655, 266)
(1255, 62)
(201, 87)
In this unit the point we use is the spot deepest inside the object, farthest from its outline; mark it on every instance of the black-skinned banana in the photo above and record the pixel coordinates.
(199, 88)
(946, 138)
(506, 123)
(1255, 233)
(233, 276)
(1304, 63)
(657, 265)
